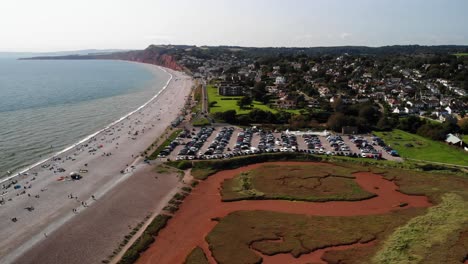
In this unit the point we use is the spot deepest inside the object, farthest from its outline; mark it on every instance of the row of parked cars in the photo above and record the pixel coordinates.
(367, 149)
(289, 141)
(338, 145)
(193, 147)
(243, 141)
(218, 145)
(267, 141)
(380, 142)
(169, 148)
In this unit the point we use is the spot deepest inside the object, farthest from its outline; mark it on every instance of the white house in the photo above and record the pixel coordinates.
(452, 139)
(280, 80)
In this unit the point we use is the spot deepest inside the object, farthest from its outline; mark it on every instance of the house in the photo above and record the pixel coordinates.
(296, 65)
(432, 103)
(402, 110)
(280, 80)
(286, 102)
(228, 90)
(448, 109)
(446, 117)
(398, 110)
(453, 140)
(324, 91)
(367, 75)
(393, 102)
(416, 104)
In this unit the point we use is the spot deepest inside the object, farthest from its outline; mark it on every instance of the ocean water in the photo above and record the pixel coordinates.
(46, 106)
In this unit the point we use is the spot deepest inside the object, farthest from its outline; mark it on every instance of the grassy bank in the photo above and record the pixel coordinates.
(197, 96)
(419, 148)
(166, 143)
(204, 168)
(415, 241)
(197, 256)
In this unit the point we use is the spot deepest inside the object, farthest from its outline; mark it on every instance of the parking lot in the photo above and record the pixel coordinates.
(229, 141)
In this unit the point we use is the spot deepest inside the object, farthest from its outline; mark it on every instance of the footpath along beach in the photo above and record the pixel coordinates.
(46, 199)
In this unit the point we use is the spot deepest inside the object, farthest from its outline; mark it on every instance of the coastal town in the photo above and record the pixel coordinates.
(234, 132)
(227, 105)
(432, 87)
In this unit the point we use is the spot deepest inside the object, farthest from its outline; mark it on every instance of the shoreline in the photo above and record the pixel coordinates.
(109, 157)
(22, 171)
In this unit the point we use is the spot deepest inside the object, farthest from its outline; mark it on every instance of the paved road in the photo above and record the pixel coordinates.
(204, 98)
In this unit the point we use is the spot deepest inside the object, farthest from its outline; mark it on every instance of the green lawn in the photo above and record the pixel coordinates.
(465, 138)
(460, 54)
(224, 105)
(423, 148)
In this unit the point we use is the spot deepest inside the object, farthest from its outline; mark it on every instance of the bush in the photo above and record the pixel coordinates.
(171, 209)
(145, 240)
(184, 165)
(157, 224)
(194, 183)
(129, 257)
(186, 189)
(179, 196)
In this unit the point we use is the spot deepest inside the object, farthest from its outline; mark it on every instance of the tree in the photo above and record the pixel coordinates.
(369, 113)
(229, 116)
(464, 125)
(244, 102)
(338, 105)
(336, 121)
(385, 124)
(259, 91)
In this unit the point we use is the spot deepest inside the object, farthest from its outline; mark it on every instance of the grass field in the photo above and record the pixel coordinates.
(317, 182)
(460, 54)
(423, 148)
(197, 256)
(414, 242)
(270, 233)
(432, 185)
(465, 138)
(231, 103)
(201, 121)
(197, 96)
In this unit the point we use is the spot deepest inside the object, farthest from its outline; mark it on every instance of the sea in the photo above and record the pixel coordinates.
(49, 105)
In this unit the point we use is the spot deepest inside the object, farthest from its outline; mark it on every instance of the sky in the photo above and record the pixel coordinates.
(60, 25)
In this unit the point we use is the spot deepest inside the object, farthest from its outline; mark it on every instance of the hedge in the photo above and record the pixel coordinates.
(145, 240)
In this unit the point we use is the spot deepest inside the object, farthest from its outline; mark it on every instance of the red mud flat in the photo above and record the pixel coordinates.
(192, 223)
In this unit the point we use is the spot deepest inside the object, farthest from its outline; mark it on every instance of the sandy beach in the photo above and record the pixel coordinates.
(48, 200)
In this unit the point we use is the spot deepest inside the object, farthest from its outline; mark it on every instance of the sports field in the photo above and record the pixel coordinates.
(224, 103)
(412, 146)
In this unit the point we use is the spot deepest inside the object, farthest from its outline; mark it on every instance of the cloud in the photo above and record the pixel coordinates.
(345, 35)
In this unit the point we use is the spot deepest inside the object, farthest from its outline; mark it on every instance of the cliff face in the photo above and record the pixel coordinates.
(164, 60)
(151, 55)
